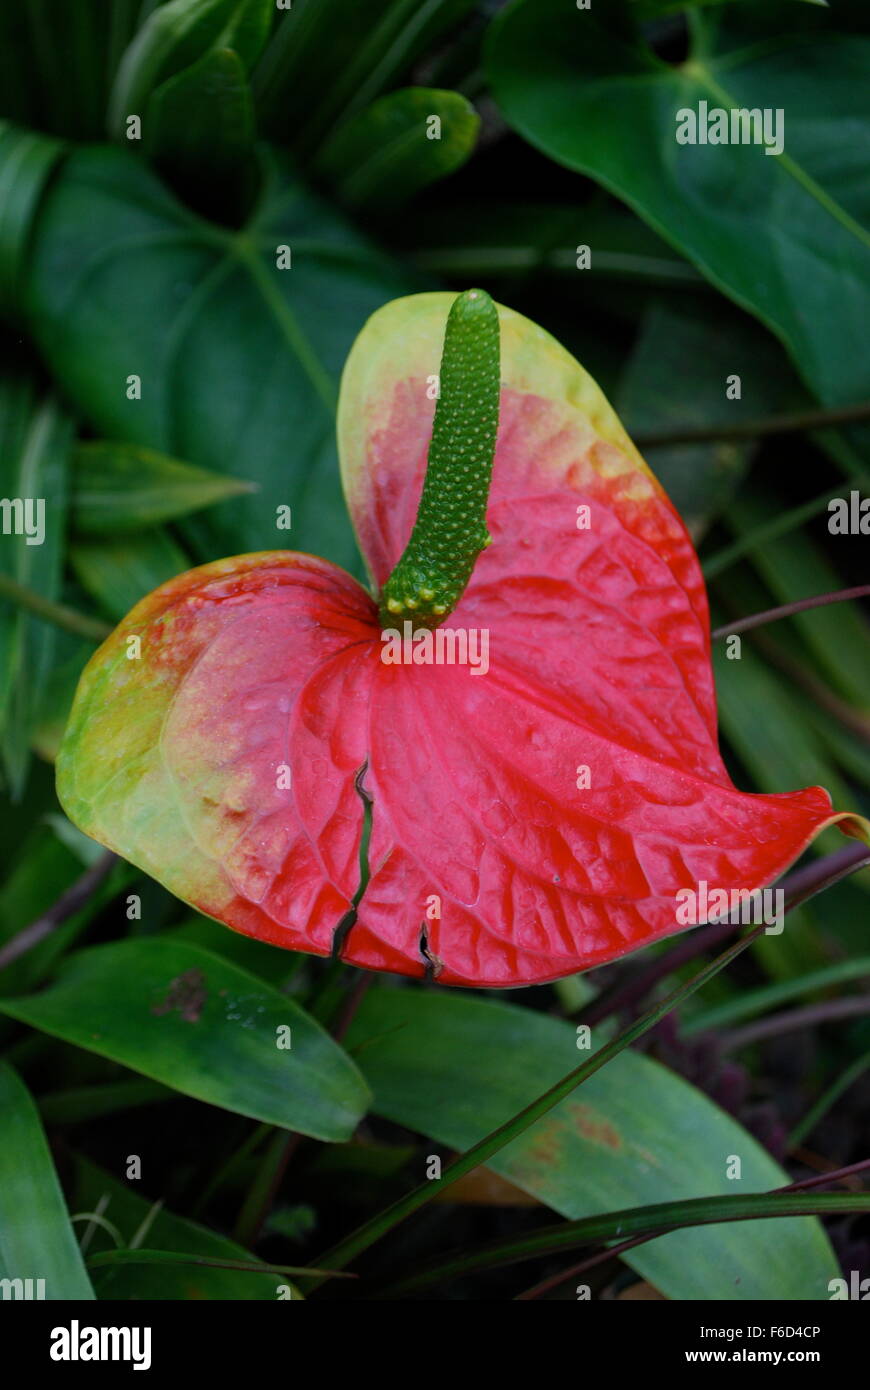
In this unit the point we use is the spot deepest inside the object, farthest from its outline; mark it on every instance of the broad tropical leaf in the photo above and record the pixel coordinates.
(37, 1241)
(188, 1018)
(635, 1133)
(783, 230)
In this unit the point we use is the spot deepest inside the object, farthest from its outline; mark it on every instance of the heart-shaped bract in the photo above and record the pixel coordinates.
(528, 820)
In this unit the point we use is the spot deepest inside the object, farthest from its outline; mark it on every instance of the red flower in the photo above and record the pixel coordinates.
(528, 820)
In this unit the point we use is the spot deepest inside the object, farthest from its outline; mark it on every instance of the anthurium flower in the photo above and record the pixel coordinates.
(250, 720)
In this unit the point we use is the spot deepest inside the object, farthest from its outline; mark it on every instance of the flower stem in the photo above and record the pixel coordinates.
(67, 904)
(611, 1252)
(58, 613)
(751, 429)
(773, 615)
(648, 1222)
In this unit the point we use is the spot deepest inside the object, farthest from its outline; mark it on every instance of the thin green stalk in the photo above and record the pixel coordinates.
(58, 613)
(757, 1001)
(760, 535)
(827, 1099)
(611, 1252)
(791, 1020)
(68, 904)
(260, 1197)
(635, 1221)
(174, 1257)
(787, 610)
(239, 1155)
(794, 423)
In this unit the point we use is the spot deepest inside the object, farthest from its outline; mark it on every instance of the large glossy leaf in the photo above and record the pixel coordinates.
(238, 360)
(183, 1016)
(786, 236)
(454, 1068)
(36, 1238)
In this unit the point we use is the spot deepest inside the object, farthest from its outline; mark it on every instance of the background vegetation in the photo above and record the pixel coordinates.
(156, 256)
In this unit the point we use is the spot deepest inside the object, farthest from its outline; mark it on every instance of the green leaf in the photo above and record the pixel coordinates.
(766, 727)
(117, 573)
(848, 748)
(381, 157)
(239, 361)
(794, 567)
(675, 379)
(765, 723)
(199, 133)
(180, 1015)
(134, 1215)
(36, 1238)
(454, 1068)
(766, 999)
(57, 62)
(26, 163)
(785, 236)
(122, 487)
(176, 36)
(35, 437)
(329, 59)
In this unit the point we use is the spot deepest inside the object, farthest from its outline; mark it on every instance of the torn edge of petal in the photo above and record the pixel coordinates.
(346, 923)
